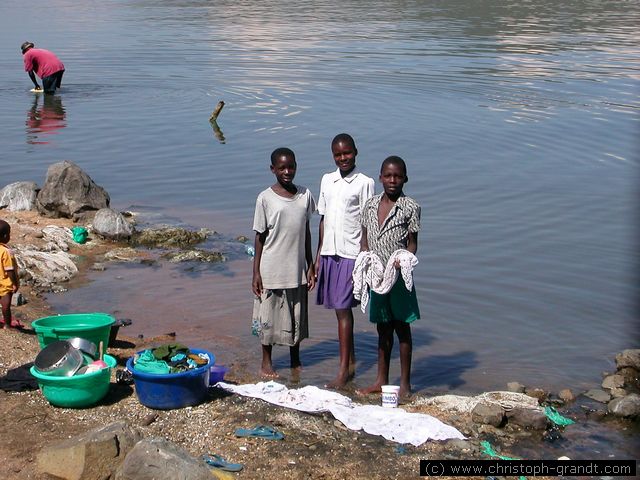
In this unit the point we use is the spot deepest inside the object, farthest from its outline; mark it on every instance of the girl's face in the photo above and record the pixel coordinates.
(285, 170)
(344, 154)
(393, 178)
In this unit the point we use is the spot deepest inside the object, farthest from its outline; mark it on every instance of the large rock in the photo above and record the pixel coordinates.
(112, 225)
(628, 358)
(628, 406)
(69, 192)
(44, 268)
(94, 455)
(19, 196)
(159, 459)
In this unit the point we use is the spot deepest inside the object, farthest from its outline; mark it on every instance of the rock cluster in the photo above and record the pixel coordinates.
(68, 192)
(119, 451)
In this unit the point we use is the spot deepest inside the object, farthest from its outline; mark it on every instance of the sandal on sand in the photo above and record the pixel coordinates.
(15, 323)
(217, 461)
(260, 431)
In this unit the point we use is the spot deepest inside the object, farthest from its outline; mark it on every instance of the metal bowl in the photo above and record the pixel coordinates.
(85, 346)
(59, 358)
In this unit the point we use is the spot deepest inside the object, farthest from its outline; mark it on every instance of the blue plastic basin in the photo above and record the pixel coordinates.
(172, 390)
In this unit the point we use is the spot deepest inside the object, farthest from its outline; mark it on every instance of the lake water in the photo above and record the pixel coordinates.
(518, 121)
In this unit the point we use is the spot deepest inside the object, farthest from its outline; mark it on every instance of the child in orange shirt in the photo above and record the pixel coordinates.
(9, 282)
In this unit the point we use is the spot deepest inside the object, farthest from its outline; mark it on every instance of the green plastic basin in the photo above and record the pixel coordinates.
(77, 391)
(95, 327)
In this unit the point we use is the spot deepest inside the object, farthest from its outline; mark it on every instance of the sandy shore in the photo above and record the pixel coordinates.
(315, 446)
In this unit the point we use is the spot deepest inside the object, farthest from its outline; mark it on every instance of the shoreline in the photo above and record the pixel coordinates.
(30, 423)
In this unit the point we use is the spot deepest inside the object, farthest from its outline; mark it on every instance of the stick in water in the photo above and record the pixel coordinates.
(216, 111)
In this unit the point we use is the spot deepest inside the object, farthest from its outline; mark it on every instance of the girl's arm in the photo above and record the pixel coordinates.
(320, 239)
(412, 243)
(256, 283)
(14, 280)
(364, 243)
(311, 272)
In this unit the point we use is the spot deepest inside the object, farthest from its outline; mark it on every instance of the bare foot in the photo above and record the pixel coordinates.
(340, 381)
(268, 373)
(375, 388)
(404, 396)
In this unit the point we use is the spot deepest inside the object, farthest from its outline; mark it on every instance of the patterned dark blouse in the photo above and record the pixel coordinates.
(393, 234)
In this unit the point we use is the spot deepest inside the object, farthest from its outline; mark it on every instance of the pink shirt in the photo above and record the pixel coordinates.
(44, 62)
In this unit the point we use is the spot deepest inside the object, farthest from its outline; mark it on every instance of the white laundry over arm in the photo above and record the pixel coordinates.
(369, 273)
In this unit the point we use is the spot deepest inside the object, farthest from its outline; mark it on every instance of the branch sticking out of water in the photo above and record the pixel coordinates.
(216, 111)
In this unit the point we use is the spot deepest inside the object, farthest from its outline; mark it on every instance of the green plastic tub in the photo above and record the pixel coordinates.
(78, 391)
(95, 327)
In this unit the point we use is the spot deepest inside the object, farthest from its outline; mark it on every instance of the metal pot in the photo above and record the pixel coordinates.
(85, 346)
(59, 358)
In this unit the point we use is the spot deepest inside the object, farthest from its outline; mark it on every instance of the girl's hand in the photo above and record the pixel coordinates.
(311, 278)
(256, 285)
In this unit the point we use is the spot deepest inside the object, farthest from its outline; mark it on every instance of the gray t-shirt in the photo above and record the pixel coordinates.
(283, 263)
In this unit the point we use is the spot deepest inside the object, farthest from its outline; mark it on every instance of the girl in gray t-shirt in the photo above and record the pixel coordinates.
(283, 270)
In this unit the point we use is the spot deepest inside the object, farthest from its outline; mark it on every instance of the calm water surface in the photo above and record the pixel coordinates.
(518, 121)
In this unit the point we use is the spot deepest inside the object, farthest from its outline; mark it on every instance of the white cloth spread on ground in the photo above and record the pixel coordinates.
(368, 272)
(394, 424)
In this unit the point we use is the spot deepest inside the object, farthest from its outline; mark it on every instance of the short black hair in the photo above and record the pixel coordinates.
(5, 228)
(394, 160)
(282, 152)
(344, 138)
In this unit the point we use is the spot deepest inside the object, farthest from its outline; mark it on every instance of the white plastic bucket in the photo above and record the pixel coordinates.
(390, 395)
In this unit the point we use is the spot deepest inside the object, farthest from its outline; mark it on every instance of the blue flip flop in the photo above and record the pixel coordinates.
(217, 461)
(260, 431)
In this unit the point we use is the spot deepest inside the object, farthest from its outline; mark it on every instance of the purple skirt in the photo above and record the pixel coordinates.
(335, 283)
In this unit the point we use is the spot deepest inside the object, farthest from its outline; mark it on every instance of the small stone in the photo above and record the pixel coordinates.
(595, 413)
(458, 444)
(598, 395)
(613, 381)
(618, 392)
(98, 267)
(515, 387)
(488, 414)
(538, 393)
(528, 418)
(566, 395)
(149, 419)
(631, 376)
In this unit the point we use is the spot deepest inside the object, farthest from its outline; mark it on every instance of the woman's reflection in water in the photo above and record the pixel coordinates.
(45, 117)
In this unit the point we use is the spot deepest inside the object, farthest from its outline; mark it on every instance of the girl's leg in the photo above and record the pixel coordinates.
(403, 330)
(266, 370)
(385, 345)
(347, 352)
(5, 302)
(294, 354)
